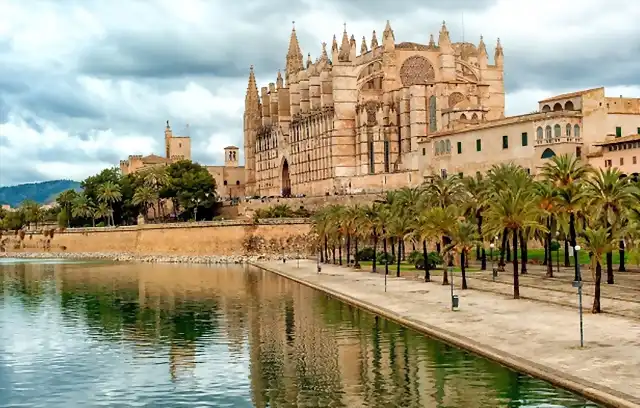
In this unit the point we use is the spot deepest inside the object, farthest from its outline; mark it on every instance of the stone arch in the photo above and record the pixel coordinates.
(463, 117)
(546, 108)
(569, 106)
(557, 107)
(547, 154)
(416, 70)
(455, 98)
(371, 108)
(474, 116)
(285, 179)
(370, 76)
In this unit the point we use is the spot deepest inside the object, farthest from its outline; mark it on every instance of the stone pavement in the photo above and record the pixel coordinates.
(535, 337)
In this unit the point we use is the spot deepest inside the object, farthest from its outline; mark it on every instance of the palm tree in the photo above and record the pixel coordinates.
(548, 205)
(103, 211)
(426, 230)
(612, 194)
(514, 208)
(320, 225)
(464, 236)
(476, 202)
(565, 173)
(442, 219)
(83, 207)
(109, 193)
(145, 197)
(157, 178)
(65, 201)
(597, 242)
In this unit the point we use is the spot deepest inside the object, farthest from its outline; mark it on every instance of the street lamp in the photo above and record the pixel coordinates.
(557, 251)
(197, 202)
(454, 298)
(578, 284)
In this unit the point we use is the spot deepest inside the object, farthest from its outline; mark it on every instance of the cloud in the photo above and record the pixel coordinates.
(84, 83)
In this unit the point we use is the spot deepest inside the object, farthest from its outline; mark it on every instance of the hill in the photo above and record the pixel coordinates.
(42, 192)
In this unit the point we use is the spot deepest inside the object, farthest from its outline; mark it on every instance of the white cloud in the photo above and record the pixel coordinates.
(551, 47)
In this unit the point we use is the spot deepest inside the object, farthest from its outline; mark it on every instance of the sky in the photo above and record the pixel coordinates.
(85, 83)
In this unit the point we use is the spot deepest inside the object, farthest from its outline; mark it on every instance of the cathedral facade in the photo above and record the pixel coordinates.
(351, 120)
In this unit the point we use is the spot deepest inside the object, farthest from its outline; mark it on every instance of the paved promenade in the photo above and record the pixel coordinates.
(532, 336)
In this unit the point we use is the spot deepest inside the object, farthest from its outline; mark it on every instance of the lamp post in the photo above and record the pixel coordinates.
(454, 298)
(578, 284)
(197, 202)
(558, 251)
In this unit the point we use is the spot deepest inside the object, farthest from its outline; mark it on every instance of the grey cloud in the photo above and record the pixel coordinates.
(386, 9)
(18, 175)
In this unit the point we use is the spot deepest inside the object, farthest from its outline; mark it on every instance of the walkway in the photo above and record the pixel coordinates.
(538, 338)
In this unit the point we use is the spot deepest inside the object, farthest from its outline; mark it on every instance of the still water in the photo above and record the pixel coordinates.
(104, 335)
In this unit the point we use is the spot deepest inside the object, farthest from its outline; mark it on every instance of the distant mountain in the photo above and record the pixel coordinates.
(43, 192)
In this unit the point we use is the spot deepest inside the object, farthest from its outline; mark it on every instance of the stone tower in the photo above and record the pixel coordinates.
(252, 123)
(231, 156)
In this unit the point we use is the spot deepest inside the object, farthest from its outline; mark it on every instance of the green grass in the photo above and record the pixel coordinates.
(407, 267)
(537, 255)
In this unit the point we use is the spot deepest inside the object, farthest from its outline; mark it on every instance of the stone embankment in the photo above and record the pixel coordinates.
(129, 257)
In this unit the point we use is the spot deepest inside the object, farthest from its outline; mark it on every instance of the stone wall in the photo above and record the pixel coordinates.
(233, 237)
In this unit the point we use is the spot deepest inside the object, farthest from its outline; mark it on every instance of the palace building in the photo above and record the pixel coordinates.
(388, 114)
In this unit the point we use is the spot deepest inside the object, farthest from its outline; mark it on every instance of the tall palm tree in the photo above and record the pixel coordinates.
(103, 211)
(612, 194)
(157, 178)
(109, 193)
(597, 242)
(464, 236)
(442, 219)
(82, 207)
(426, 231)
(548, 205)
(145, 196)
(565, 173)
(476, 202)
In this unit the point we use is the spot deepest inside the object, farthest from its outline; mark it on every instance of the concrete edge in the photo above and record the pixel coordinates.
(594, 392)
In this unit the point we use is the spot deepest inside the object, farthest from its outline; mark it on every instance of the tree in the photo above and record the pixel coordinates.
(190, 185)
(597, 242)
(464, 237)
(109, 193)
(32, 212)
(145, 196)
(65, 201)
(82, 207)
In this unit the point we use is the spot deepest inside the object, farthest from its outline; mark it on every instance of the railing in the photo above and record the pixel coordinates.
(556, 140)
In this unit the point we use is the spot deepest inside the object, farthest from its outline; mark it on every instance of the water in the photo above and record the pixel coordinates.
(104, 335)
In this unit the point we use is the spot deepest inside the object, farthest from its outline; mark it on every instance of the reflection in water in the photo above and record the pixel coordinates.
(162, 335)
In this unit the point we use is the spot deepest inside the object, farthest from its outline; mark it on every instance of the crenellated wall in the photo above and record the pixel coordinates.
(238, 237)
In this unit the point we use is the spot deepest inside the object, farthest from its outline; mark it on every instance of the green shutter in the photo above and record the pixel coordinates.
(459, 147)
(618, 131)
(478, 145)
(505, 142)
(639, 131)
(525, 139)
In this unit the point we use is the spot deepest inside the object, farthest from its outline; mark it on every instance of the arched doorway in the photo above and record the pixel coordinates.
(286, 181)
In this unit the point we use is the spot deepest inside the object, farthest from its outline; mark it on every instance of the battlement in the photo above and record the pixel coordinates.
(135, 157)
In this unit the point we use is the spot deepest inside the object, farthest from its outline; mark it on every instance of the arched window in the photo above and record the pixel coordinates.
(547, 154)
(225, 182)
(568, 106)
(576, 131)
(568, 130)
(463, 117)
(546, 108)
(557, 131)
(237, 182)
(557, 107)
(539, 134)
(437, 148)
(474, 116)
(448, 146)
(433, 124)
(547, 133)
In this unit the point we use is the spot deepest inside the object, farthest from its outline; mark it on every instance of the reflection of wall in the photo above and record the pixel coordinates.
(203, 238)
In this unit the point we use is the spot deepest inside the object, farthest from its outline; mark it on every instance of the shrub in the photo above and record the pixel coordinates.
(555, 245)
(365, 254)
(414, 257)
(390, 259)
(434, 260)
(100, 224)
(63, 219)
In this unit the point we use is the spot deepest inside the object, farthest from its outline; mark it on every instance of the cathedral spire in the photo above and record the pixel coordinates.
(345, 46)
(499, 55)
(432, 42)
(324, 55)
(388, 31)
(252, 101)
(334, 45)
(443, 38)
(482, 48)
(294, 55)
(309, 62)
(374, 41)
(363, 46)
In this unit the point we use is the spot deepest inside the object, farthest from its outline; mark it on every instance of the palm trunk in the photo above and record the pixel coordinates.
(610, 280)
(399, 258)
(463, 268)
(386, 256)
(356, 257)
(445, 273)
(572, 234)
(546, 250)
(340, 251)
(375, 253)
(333, 253)
(567, 259)
(393, 247)
(478, 252)
(483, 259)
(425, 255)
(621, 249)
(505, 237)
(523, 254)
(516, 278)
(547, 255)
(508, 250)
(326, 249)
(348, 249)
(596, 293)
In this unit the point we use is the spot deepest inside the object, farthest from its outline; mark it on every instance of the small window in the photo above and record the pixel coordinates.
(478, 145)
(622, 161)
(576, 131)
(525, 139)
(424, 151)
(639, 130)
(607, 163)
(578, 152)
(179, 144)
(505, 142)
(618, 131)
(237, 182)
(568, 130)
(224, 182)
(459, 145)
(461, 174)
(634, 160)
(528, 170)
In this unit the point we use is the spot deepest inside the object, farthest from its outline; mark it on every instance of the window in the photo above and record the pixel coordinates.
(424, 151)
(618, 131)
(547, 133)
(459, 145)
(528, 170)
(372, 165)
(578, 152)
(639, 130)
(225, 182)
(478, 145)
(576, 131)
(634, 160)
(607, 163)
(433, 124)
(505, 142)
(539, 134)
(622, 161)
(461, 174)
(568, 130)
(443, 173)
(387, 157)
(525, 139)
(237, 182)
(557, 131)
